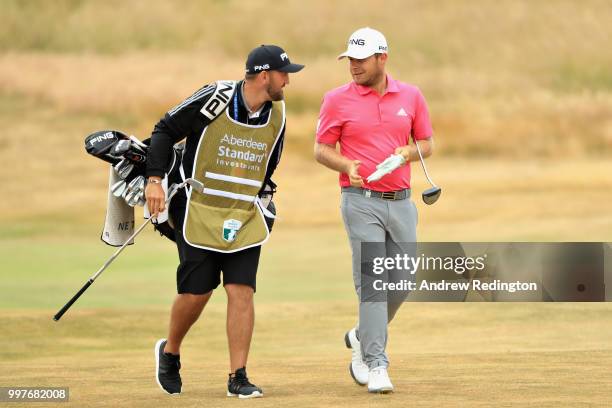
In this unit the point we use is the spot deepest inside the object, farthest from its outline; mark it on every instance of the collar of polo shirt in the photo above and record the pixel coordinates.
(391, 86)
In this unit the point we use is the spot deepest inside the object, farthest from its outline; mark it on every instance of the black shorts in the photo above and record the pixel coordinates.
(199, 270)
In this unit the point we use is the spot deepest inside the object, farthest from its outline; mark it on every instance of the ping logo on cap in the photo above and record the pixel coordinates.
(365, 42)
(270, 57)
(261, 67)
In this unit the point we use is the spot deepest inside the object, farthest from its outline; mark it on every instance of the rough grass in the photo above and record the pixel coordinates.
(447, 32)
(500, 78)
(551, 188)
(504, 200)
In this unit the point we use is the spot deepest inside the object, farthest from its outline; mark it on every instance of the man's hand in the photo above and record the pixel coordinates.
(404, 151)
(409, 152)
(327, 155)
(155, 196)
(387, 166)
(391, 162)
(353, 173)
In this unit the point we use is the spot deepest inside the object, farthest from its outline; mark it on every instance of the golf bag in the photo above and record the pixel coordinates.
(128, 156)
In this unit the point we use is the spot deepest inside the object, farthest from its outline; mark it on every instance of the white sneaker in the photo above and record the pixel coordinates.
(378, 381)
(357, 368)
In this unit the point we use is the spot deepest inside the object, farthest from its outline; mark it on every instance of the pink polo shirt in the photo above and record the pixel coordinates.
(370, 127)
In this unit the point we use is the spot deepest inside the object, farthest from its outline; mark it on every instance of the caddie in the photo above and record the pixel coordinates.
(234, 133)
(372, 119)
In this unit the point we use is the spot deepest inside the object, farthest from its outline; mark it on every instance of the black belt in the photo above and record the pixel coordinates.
(385, 195)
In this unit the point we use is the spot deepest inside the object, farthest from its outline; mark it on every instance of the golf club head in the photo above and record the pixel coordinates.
(131, 198)
(195, 184)
(431, 195)
(126, 191)
(139, 143)
(135, 153)
(137, 198)
(124, 168)
(120, 147)
(141, 199)
(131, 192)
(118, 188)
(139, 147)
(137, 184)
(125, 171)
(100, 144)
(119, 165)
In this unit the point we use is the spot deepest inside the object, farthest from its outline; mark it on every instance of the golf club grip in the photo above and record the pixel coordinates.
(71, 301)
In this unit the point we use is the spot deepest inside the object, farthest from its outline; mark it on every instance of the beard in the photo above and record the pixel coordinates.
(275, 94)
(370, 80)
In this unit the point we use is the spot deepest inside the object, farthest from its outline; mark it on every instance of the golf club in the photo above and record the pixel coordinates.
(118, 188)
(119, 165)
(135, 187)
(120, 148)
(432, 194)
(141, 199)
(136, 154)
(130, 198)
(124, 168)
(139, 143)
(91, 280)
(129, 149)
(100, 144)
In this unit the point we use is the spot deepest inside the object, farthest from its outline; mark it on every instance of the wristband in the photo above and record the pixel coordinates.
(155, 181)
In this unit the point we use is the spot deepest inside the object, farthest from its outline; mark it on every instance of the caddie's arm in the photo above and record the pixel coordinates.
(171, 129)
(157, 159)
(410, 152)
(155, 196)
(327, 155)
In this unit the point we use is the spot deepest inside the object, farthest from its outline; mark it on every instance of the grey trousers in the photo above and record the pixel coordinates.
(377, 220)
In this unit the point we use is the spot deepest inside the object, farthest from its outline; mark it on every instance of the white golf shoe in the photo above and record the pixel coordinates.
(357, 368)
(378, 381)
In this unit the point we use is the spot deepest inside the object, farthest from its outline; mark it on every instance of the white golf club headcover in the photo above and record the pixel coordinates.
(387, 166)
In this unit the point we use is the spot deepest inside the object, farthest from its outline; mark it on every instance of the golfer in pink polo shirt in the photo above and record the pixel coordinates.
(373, 118)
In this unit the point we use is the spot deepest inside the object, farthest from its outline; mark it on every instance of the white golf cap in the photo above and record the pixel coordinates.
(365, 42)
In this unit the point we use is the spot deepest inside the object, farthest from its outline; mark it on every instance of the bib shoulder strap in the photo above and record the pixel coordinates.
(216, 104)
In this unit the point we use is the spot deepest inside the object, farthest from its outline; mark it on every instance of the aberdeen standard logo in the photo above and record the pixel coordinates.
(230, 229)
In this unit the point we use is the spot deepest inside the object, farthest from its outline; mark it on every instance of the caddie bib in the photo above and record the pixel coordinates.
(231, 161)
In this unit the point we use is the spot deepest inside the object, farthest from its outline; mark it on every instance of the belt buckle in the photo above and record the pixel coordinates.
(388, 195)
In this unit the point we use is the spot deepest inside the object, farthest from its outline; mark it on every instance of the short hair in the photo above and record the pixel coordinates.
(251, 76)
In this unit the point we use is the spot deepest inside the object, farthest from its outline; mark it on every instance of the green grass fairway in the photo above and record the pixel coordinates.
(441, 354)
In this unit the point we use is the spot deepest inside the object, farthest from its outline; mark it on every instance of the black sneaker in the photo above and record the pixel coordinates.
(239, 385)
(167, 368)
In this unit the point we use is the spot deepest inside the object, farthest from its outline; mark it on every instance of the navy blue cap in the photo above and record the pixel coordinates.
(270, 58)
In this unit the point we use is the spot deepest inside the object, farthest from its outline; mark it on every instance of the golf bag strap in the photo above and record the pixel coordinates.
(215, 106)
(217, 103)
